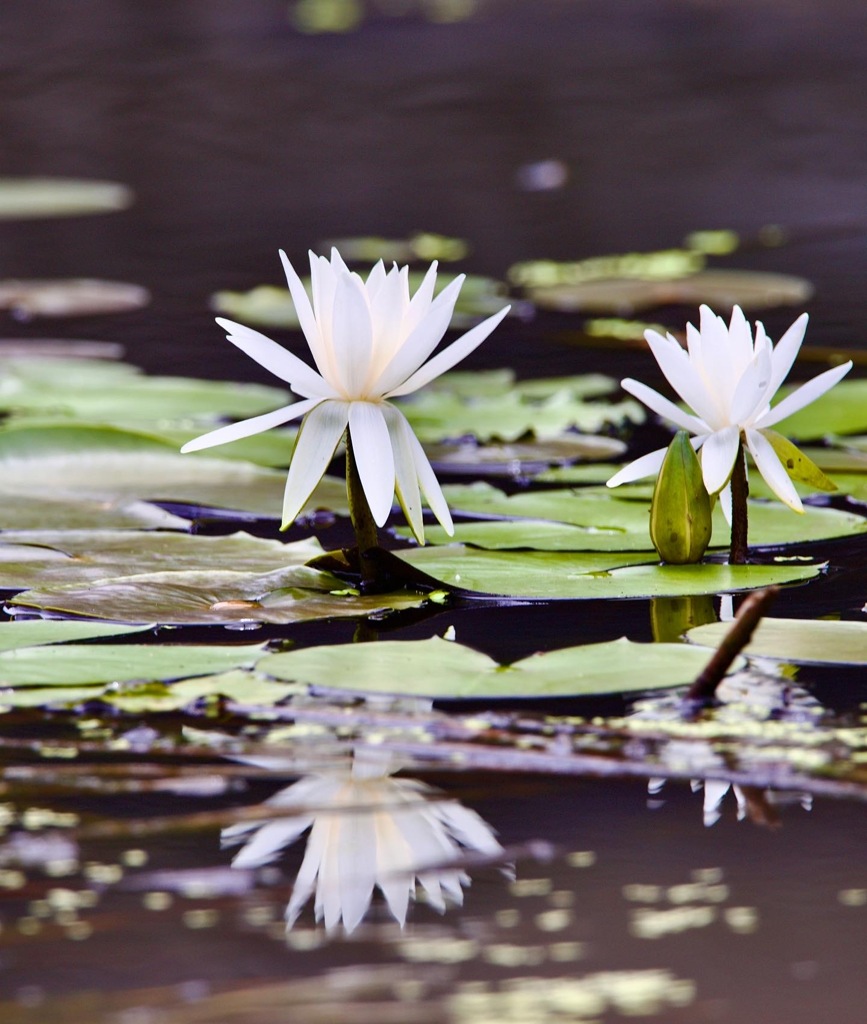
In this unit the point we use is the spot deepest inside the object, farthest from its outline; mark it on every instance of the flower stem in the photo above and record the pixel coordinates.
(362, 519)
(740, 491)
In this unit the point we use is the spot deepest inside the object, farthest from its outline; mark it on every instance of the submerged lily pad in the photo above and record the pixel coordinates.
(442, 669)
(47, 558)
(115, 663)
(816, 641)
(196, 597)
(549, 575)
(72, 297)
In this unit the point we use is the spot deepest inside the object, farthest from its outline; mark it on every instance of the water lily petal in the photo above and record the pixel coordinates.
(303, 379)
(356, 858)
(748, 399)
(351, 334)
(717, 363)
(663, 407)
(322, 284)
(397, 880)
(254, 425)
(725, 503)
(320, 433)
(387, 310)
(419, 344)
(647, 465)
(449, 357)
(406, 475)
(804, 395)
(785, 352)
(772, 469)
(740, 341)
(268, 841)
(718, 456)
(374, 458)
(430, 486)
(306, 318)
(420, 303)
(680, 373)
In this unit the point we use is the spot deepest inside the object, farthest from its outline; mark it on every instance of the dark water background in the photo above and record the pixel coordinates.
(240, 135)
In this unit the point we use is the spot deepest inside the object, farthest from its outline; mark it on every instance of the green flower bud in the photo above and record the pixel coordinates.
(680, 513)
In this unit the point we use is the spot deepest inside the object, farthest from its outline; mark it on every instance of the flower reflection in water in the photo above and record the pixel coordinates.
(367, 830)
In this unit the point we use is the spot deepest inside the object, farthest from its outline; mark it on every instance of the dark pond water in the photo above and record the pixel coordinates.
(241, 134)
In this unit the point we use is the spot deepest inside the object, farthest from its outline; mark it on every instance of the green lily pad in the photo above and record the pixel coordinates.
(842, 410)
(34, 371)
(70, 297)
(145, 400)
(296, 594)
(600, 520)
(48, 558)
(816, 641)
(46, 511)
(36, 632)
(720, 289)
(116, 663)
(161, 476)
(438, 668)
(240, 685)
(26, 198)
(550, 575)
(438, 415)
(33, 438)
(852, 484)
(521, 458)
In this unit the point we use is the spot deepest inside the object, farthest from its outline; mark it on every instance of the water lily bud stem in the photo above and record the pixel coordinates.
(740, 491)
(362, 520)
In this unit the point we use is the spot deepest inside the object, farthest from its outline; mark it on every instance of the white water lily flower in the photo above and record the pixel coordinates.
(367, 830)
(728, 380)
(369, 340)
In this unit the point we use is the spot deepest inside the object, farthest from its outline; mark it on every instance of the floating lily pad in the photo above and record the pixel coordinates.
(161, 476)
(240, 685)
(35, 438)
(27, 372)
(27, 198)
(421, 246)
(147, 401)
(720, 289)
(36, 632)
(521, 458)
(816, 641)
(116, 663)
(295, 594)
(438, 668)
(596, 519)
(550, 575)
(843, 410)
(43, 510)
(72, 297)
(52, 348)
(48, 558)
(437, 415)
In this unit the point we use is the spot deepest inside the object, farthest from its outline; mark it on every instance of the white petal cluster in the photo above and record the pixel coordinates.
(367, 830)
(370, 341)
(728, 378)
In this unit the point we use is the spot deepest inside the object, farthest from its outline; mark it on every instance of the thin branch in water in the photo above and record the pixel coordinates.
(703, 689)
